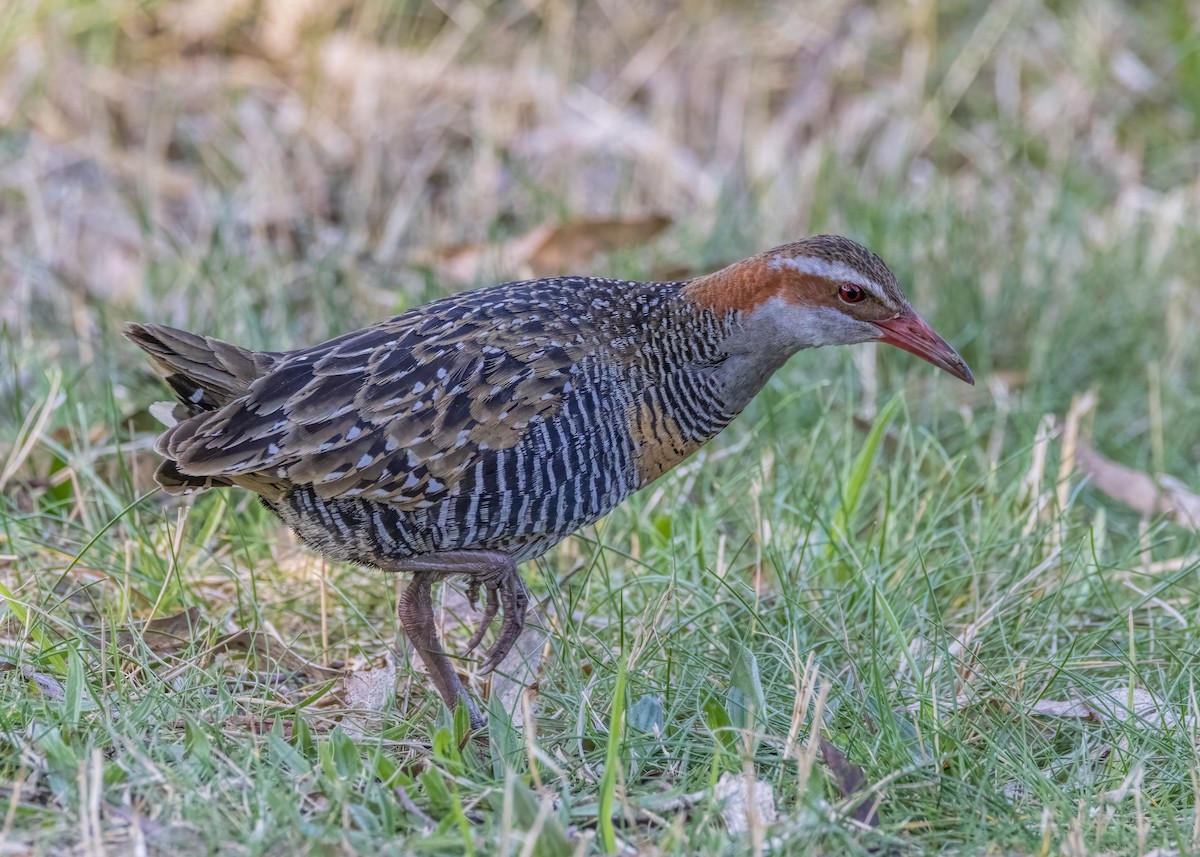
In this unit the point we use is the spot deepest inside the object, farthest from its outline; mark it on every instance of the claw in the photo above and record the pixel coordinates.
(514, 599)
(473, 594)
(489, 613)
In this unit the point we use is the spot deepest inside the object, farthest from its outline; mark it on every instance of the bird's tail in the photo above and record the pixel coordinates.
(205, 374)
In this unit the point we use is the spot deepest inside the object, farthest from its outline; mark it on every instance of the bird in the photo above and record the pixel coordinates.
(473, 433)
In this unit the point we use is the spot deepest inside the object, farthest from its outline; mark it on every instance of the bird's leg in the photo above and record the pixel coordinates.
(416, 615)
(496, 573)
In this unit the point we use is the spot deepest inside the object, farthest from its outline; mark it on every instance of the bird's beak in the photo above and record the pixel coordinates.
(910, 332)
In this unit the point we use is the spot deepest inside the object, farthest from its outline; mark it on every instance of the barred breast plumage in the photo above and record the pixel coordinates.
(475, 432)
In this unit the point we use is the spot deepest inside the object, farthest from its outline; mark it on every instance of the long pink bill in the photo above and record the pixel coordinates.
(910, 332)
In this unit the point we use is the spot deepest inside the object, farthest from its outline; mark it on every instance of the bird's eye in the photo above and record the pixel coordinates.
(851, 293)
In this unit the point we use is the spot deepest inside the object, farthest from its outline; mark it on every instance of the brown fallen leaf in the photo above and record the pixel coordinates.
(368, 689)
(166, 636)
(850, 780)
(568, 247)
(1007, 380)
(548, 249)
(1117, 705)
(1164, 495)
(998, 387)
(517, 674)
(270, 648)
(1067, 709)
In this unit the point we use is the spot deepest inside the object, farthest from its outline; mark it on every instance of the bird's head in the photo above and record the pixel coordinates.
(824, 290)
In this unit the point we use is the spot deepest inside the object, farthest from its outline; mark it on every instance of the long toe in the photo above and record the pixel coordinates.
(489, 614)
(515, 600)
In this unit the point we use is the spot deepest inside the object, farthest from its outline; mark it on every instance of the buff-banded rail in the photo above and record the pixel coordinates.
(472, 434)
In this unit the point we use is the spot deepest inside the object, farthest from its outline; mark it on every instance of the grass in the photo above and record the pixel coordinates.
(930, 607)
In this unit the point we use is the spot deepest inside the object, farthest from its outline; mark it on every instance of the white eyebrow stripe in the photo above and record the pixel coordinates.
(825, 268)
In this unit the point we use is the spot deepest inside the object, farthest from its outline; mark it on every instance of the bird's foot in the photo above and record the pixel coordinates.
(515, 599)
(491, 571)
(489, 612)
(505, 589)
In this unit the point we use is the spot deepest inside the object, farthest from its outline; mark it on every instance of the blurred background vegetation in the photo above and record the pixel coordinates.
(273, 172)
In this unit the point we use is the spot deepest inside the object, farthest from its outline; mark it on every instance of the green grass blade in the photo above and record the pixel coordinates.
(612, 755)
(860, 474)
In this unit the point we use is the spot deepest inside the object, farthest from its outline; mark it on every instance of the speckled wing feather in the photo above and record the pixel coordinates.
(397, 411)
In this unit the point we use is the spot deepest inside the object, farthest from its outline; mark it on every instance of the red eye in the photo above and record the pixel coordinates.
(851, 293)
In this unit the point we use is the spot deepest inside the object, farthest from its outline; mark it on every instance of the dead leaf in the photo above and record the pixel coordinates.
(850, 780)
(1007, 380)
(364, 693)
(518, 672)
(745, 803)
(673, 273)
(1070, 709)
(572, 245)
(1140, 491)
(545, 250)
(1118, 704)
(166, 636)
(48, 685)
(369, 689)
(271, 649)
